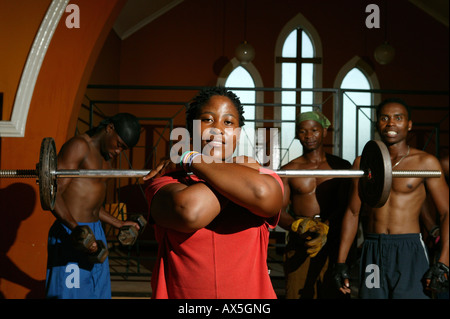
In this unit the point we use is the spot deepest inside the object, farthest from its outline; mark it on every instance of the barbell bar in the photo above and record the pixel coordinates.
(374, 187)
(343, 173)
(129, 173)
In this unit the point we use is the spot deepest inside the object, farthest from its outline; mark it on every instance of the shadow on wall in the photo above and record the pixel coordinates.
(13, 210)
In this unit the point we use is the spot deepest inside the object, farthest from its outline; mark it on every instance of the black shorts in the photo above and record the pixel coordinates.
(393, 266)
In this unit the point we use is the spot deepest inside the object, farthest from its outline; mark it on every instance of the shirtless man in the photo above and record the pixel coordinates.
(308, 265)
(394, 261)
(71, 274)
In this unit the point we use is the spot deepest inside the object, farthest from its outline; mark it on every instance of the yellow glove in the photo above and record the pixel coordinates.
(302, 225)
(320, 232)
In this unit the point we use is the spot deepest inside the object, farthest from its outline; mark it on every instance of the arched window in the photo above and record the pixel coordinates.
(354, 112)
(357, 128)
(298, 66)
(295, 73)
(241, 78)
(235, 75)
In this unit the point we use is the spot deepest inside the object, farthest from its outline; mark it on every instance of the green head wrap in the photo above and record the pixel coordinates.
(314, 116)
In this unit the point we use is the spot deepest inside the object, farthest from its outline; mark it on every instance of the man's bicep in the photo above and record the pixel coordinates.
(438, 189)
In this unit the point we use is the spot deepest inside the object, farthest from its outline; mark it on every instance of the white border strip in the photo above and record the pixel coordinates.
(16, 127)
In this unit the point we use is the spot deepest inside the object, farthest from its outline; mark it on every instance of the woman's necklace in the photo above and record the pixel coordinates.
(407, 153)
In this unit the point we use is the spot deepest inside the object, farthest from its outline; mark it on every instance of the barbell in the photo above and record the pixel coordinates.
(374, 187)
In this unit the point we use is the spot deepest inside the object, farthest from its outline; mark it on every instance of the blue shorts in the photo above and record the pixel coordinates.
(393, 266)
(70, 275)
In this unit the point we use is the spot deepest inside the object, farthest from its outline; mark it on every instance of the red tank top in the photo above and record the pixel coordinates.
(225, 260)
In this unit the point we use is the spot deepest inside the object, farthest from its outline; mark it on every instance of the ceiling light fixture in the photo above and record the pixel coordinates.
(245, 52)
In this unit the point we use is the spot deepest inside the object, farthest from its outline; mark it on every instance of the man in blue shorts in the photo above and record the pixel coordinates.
(77, 266)
(394, 261)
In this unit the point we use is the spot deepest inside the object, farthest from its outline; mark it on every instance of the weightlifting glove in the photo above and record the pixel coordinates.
(318, 238)
(313, 231)
(340, 273)
(302, 225)
(438, 276)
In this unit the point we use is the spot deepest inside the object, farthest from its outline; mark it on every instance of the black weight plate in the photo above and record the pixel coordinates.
(45, 167)
(375, 187)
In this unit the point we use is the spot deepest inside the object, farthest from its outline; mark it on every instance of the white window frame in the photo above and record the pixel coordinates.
(16, 126)
(367, 70)
(299, 21)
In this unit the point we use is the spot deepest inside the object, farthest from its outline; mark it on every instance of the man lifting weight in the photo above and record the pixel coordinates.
(77, 265)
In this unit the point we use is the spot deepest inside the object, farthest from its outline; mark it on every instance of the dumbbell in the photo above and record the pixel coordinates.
(128, 234)
(83, 238)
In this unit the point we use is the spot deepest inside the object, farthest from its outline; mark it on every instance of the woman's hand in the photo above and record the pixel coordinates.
(164, 167)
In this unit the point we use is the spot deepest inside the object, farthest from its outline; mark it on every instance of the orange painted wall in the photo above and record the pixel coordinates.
(53, 112)
(19, 23)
